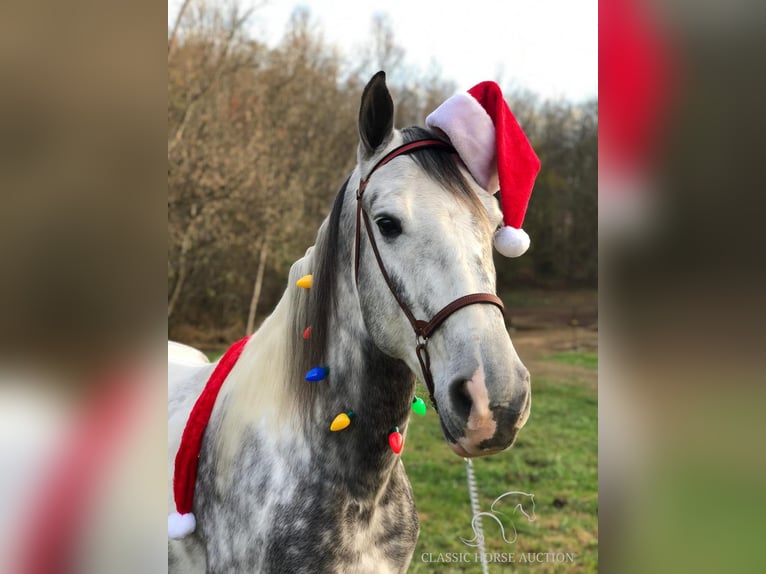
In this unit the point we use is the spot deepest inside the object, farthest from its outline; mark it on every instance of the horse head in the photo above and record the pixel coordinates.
(433, 227)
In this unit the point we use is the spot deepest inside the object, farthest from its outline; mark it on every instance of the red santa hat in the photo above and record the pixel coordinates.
(493, 147)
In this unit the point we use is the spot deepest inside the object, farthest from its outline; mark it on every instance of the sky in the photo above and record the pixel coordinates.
(547, 46)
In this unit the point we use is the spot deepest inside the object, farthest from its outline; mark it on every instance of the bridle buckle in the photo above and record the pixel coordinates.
(422, 340)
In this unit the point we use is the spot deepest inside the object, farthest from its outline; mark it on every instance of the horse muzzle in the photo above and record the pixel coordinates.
(475, 425)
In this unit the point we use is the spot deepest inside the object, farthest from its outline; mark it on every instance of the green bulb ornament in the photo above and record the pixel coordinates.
(419, 406)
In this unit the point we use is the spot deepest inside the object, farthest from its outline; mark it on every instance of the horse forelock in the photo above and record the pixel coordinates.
(442, 167)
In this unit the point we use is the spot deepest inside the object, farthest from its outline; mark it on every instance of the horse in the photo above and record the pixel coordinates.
(409, 235)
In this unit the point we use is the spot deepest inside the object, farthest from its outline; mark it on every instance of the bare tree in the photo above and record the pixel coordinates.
(257, 286)
(174, 33)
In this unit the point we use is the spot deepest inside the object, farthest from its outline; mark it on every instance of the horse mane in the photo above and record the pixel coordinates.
(317, 306)
(314, 307)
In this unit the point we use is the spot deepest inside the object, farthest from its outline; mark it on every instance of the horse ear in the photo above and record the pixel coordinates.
(376, 115)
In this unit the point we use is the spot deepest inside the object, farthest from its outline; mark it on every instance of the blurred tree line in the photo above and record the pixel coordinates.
(260, 138)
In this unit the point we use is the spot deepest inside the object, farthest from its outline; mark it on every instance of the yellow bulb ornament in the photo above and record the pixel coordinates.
(305, 282)
(341, 421)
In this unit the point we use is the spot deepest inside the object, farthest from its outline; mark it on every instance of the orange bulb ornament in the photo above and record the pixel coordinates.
(305, 282)
(342, 421)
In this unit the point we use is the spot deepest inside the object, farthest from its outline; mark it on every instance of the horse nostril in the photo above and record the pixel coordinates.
(461, 399)
(526, 377)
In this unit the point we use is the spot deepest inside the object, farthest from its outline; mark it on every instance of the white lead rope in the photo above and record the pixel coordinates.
(473, 492)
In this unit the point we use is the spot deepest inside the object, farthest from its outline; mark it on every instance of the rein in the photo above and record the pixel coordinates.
(423, 329)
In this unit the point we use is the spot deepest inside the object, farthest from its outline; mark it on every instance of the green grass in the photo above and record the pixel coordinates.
(554, 458)
(587, 360)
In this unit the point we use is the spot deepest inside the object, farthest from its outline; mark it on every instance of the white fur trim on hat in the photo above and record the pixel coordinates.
(471, 132)
(181, 525)
(511, 242)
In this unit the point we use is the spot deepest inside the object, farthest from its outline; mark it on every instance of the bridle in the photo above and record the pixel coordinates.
(423, 329)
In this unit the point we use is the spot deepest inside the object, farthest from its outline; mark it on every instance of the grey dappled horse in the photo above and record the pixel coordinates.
(277, 491)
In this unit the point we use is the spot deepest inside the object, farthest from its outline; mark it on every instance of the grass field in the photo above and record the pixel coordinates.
(581, 359)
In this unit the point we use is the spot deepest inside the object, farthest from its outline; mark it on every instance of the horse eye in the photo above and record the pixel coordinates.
(389, 226)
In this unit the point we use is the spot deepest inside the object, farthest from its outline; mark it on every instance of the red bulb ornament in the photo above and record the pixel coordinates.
(396, 440)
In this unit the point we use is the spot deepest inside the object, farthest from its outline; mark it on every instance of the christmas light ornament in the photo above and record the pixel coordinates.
(341, 421)
(305, 282)
(317, 374)
(307, 333)
(419, 406)
(396, 440)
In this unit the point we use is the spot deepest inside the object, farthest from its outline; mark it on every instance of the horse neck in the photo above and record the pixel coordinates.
(260, 394)
(254, 398)
(378, 389)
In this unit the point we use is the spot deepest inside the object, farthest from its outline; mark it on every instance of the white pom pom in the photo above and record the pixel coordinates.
(180, 525)
(511, 242)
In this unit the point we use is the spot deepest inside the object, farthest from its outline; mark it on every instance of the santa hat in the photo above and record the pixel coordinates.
(183, 522)
(495, 150)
